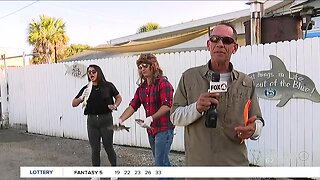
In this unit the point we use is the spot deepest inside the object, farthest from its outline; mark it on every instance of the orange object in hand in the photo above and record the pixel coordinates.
(246, 114)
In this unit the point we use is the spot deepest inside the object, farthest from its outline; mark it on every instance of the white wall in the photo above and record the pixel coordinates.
(40, 96)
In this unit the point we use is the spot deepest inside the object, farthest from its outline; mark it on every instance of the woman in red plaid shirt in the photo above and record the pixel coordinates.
(155, 93)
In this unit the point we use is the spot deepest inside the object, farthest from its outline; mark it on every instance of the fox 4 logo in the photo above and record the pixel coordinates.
(217, 87)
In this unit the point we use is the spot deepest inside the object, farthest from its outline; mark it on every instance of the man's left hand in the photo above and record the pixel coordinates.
(245, 132)
(147, 122)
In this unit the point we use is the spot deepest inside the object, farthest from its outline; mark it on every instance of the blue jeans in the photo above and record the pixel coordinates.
(160, 146)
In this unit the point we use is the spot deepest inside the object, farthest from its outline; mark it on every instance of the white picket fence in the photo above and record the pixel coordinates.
(40, 96)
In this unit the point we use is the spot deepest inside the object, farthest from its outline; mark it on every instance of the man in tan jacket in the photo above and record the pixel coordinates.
(222, 145)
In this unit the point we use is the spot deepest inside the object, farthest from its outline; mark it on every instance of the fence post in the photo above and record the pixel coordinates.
(4, 95)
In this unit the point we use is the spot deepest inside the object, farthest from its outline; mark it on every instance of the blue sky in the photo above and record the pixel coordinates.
(97, 22)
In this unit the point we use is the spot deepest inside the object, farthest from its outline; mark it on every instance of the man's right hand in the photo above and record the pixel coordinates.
(206, 100)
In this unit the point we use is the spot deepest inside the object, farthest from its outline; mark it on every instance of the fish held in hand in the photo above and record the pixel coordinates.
(86, 97)
(139, 121)
(119, 127)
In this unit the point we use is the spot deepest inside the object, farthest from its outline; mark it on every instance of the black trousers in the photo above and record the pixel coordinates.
(100, 126)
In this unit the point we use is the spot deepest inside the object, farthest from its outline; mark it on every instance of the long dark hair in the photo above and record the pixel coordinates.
(102, 82)
(150, 59)
(100, 76)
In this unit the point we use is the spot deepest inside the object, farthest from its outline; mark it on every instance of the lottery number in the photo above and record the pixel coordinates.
(147, 172)
(137, 172)
(117, 172)
(158, 172)
(127, 172)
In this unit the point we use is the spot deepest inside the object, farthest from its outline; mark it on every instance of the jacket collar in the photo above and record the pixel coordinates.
(205, 71)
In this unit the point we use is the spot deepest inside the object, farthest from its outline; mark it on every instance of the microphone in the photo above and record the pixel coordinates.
(212, 114)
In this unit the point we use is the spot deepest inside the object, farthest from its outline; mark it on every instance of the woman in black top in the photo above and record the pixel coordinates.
(99, 107)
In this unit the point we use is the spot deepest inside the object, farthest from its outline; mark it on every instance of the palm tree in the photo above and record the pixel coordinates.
(150, 26)
(74, 49)
(48, 37)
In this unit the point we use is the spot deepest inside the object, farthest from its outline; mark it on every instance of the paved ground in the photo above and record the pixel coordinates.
(18, 148)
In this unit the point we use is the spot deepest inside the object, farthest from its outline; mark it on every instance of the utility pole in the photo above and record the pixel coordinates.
(256, 11)
(24, 59)
(3, 57)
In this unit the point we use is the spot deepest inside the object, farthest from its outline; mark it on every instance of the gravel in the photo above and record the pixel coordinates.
(19, 148)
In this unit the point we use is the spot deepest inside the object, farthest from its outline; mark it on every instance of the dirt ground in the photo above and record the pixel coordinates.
(18, 148)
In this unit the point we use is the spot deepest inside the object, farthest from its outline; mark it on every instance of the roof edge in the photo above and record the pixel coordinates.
(270, 5)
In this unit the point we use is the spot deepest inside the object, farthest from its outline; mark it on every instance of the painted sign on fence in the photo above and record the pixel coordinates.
(279, 83)
(76, 70)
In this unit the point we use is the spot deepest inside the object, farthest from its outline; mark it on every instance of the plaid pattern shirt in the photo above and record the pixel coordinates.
(152, 97)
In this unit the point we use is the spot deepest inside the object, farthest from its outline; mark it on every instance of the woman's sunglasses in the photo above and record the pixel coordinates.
(92, 72)
(143, 65)
(224, 39)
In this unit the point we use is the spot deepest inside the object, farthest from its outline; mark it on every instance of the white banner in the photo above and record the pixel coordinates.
(174, 172)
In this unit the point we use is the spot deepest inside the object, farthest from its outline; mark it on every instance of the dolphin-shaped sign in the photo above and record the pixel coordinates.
(279, 83)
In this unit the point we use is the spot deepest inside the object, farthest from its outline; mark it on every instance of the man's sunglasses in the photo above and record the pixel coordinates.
(92, 72)
(143, 65)
(224, 39)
